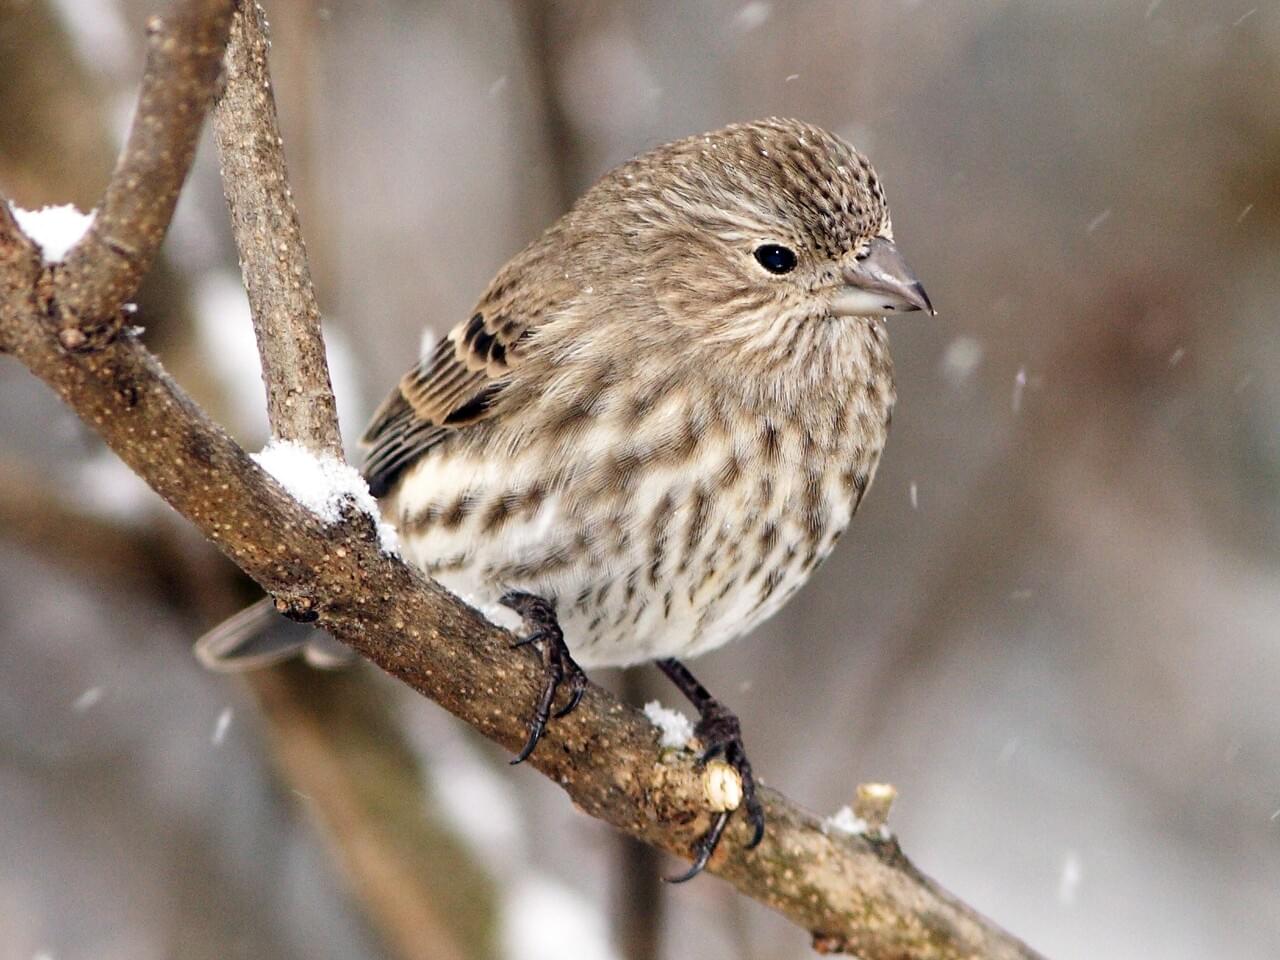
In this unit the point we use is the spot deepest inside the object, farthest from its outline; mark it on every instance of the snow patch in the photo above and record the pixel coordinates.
(961, 359)
(752, 15)
(54, 229)
(87, 700)
(846, 821)
(1019, 385)
(220, 727)
(676, 728)
(324, 485)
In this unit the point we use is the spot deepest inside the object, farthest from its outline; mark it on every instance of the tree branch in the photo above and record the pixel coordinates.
(184, 51)
(852, 893)
(273, 258)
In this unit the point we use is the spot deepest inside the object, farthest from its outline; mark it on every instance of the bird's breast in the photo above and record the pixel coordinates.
(661, 528)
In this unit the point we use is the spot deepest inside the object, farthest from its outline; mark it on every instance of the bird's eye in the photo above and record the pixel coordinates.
(776, 259)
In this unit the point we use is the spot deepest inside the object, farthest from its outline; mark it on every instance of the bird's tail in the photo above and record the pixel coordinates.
(258, 636)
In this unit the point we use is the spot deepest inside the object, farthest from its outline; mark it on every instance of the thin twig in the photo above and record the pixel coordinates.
(102, 272)
(273, 259)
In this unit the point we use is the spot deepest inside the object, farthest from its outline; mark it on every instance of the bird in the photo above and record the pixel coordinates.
(659, 417)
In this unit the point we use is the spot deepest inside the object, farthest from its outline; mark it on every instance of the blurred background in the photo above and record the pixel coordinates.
(1054, 625)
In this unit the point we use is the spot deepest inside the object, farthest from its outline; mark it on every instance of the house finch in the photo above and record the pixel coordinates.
(661, 414)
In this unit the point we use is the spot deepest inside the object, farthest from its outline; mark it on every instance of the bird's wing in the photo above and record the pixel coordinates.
(453, 386)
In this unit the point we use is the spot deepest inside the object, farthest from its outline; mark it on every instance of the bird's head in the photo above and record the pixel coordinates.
(749, 231)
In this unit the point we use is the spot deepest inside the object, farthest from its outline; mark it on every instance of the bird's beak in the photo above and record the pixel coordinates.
(880, 283)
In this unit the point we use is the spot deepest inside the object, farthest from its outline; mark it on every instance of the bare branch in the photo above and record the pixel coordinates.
(184, 51)
(273, 258)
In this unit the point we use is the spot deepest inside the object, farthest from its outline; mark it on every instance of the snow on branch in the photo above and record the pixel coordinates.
(676, 728)
(55, 229)
(324, 485)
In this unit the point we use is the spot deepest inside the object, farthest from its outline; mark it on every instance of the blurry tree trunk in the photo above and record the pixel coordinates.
(340, 746)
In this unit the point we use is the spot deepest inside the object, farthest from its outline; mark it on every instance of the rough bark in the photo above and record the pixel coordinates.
(184, 52)
(273, 259)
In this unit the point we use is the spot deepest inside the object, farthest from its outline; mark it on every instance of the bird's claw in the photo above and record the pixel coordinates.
(704, 848)
(577, 687)
(720, 731)
(534, 636)
(558, 666)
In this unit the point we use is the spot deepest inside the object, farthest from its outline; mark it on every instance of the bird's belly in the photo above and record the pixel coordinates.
(679, 562)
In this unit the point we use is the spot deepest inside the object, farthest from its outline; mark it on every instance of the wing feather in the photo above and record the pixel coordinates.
(459, 383)
(452, 387)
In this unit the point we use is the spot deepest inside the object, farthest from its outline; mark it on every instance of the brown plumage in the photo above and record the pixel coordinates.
(691, 429)
(662, 413)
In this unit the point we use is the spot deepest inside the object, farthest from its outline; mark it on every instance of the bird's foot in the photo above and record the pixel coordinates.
(721, 735)
(558, 667)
